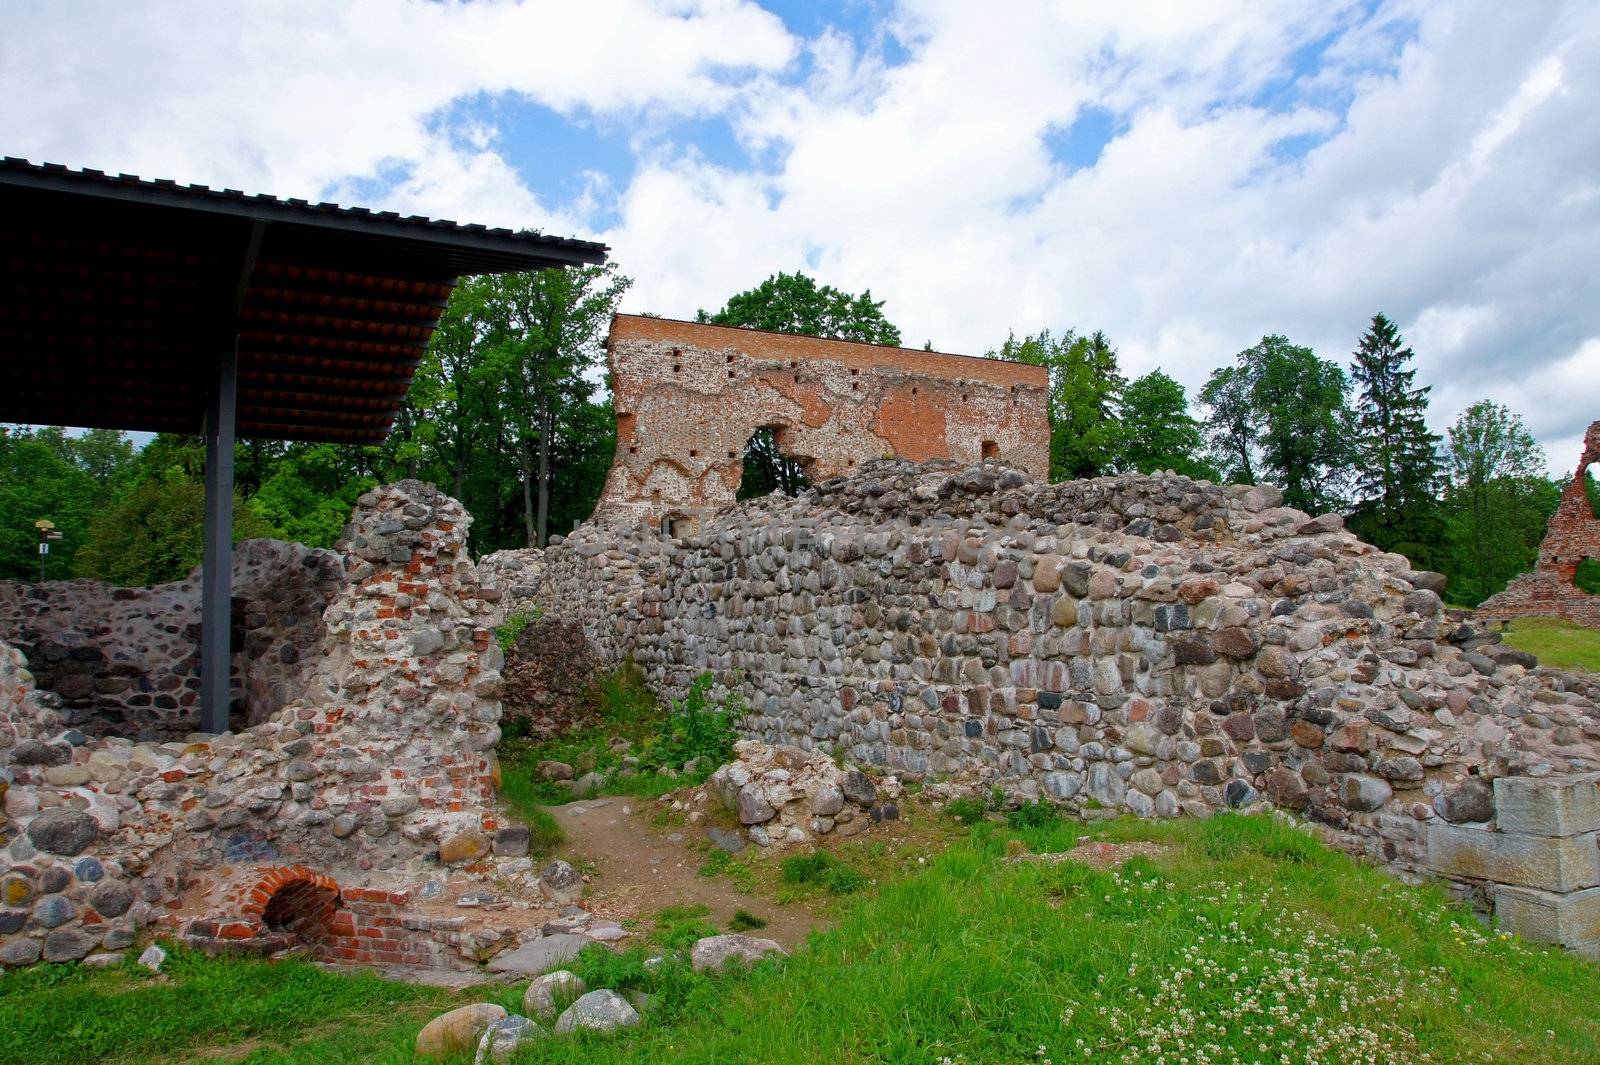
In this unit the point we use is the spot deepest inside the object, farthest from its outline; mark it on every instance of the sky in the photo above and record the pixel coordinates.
(1185, 175)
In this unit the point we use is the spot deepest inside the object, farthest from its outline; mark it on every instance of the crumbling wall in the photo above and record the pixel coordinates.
(125, 661)
(1145, 643)
(689, 396)
(1572, 535)
(341, 797)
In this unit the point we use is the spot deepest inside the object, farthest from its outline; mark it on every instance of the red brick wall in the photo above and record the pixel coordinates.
(689, 396)
(1572, 536)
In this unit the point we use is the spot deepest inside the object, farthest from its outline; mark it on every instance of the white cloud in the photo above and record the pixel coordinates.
(1451, 187)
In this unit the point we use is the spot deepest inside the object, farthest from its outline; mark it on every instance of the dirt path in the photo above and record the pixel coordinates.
(639, 868)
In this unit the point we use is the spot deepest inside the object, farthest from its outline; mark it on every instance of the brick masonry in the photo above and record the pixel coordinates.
(1572, 536)
(689, 396)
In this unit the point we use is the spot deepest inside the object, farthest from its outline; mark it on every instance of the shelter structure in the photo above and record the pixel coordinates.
(149, 305)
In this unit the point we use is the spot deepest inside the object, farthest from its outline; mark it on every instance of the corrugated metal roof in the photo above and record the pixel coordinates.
(118, 296)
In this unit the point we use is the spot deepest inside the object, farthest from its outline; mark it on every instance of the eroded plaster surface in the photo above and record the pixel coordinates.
(689, 397)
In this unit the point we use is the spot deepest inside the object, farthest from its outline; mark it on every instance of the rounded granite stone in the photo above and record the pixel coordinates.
(52, 911)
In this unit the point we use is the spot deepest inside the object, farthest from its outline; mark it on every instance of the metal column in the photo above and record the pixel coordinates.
(216, 583)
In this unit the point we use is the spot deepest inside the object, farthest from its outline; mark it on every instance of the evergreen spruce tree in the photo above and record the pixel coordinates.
(1398, 469)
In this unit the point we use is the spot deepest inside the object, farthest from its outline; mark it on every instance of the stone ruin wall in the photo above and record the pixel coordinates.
(689, 396)
(126, 661)
(1572, 535)
(311, 827)
(1141, 643)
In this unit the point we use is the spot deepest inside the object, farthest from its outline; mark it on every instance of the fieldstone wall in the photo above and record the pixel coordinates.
(688, 397)
(1572, 535)
(1146, 643)
(385, 759)
(126, 662)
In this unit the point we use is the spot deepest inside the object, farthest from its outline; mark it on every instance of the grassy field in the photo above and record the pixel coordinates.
(1243, 941)
(1556, 643)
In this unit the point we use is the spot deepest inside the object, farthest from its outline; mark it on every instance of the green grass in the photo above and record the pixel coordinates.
(1556, 643)
(1245, 940)
(660, 739)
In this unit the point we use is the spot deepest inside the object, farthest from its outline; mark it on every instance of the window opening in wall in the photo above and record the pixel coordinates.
(767, 469)
(991, 450)
(1587, 577)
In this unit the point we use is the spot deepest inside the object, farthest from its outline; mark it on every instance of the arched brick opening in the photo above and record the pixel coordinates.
(293, 902)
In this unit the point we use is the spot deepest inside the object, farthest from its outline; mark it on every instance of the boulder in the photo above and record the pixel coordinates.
(599, 1011)
(714, 953)
(457, 1032)
(551, 993)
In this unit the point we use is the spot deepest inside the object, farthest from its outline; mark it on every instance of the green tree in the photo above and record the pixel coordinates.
(1159, 433)
(1398, 469)
(1086, 386)
(154, 532)
(38, 480)
(767, 469)
(1280, 414)
(310, 494)
(1497, 502)
(795, 303)
(544, 332)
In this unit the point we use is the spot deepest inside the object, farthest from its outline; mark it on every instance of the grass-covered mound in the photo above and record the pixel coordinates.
(1243, 940)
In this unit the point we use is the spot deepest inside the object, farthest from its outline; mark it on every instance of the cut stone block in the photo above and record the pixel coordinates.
(1566, 863)
(1548, 806)
(1572, 919)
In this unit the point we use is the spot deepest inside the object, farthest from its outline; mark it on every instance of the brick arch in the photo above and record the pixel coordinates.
(274, 879)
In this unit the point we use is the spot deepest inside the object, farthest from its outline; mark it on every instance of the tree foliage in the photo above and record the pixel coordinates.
(795, 303)
(1498, 500)
(1397, 462)
(1159, 432)
(1086, 386)
(1280, 414)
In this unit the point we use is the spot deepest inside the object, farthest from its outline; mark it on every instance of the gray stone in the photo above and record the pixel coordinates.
(1567, 863)
(1361, 792)
(560, 883)
(714, 953)
(63, 831)
(19, 952)
(859, 788)
(153, 958)
(501, 1039)
(753, 807)
(539, 955)
(512, 841)
(1548, 806)
(51, 911)
(827, 800)
(553, 992)
(68, 944)
(111, 898)
(732, 842)
(599, 1011)
(588, 785)
(1571, 919)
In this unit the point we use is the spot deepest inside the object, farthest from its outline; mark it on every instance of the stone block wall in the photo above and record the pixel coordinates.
(1144, 643)
(1538, 863)
(125, 661)
(1573, 534)
(387, 754)
(689, 396)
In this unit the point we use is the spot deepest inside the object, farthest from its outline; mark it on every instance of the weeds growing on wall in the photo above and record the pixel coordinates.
(637, 745)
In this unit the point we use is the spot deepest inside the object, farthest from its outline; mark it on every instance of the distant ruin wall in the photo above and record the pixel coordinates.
(1572, 535)
(688, 397)
(1143, 643)
(125, 661)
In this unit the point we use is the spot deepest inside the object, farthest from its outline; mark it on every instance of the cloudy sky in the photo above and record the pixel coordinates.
(1185, 175)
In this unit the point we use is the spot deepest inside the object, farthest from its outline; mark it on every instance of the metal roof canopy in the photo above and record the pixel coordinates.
(148, 305)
